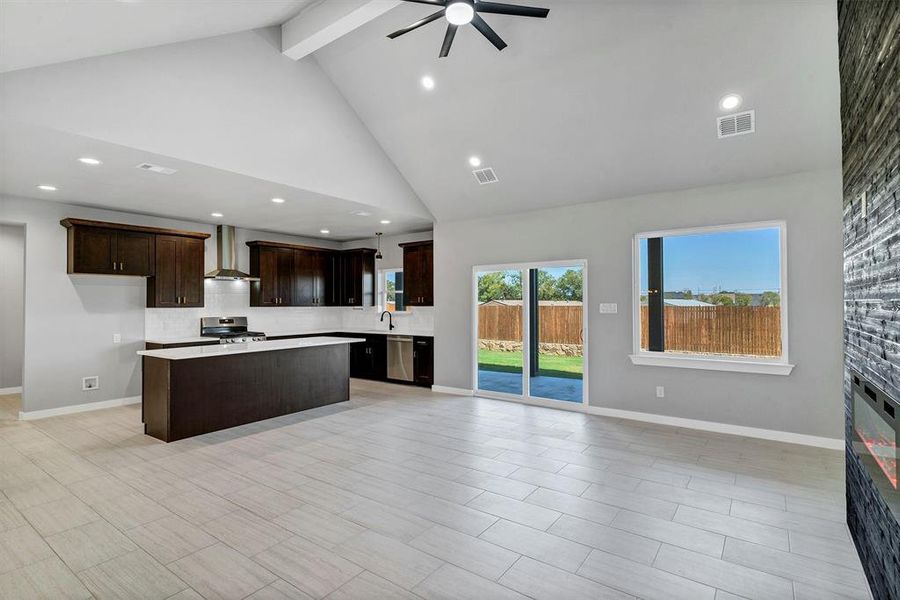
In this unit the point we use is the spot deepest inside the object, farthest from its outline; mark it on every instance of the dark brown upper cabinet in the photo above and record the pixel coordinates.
(178, 281)
(418, 273)
(101, 248)
(292, 275)
(274, 265)
(357, 277)
(311, 272)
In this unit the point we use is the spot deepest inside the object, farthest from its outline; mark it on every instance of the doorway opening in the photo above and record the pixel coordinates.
(12, 318)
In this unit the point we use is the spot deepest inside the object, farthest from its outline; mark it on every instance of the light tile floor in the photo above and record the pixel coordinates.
(403, 493)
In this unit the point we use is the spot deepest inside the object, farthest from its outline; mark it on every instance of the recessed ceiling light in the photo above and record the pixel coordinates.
(216, 215)
(325, 231)
(428, 82)
(460, 12)
(362, 213)
(47, 188)
(278, 200)
(730, 102)
(90, 161)
(475, 161)
(385, 222)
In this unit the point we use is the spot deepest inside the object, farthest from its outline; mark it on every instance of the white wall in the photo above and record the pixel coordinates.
(232, 102)
(808, 401)
(70, 319)
(12, 307)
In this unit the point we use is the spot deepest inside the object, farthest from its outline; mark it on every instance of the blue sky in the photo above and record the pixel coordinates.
(744, 261)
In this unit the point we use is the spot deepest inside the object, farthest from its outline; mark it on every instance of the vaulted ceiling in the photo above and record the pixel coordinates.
(604, 99)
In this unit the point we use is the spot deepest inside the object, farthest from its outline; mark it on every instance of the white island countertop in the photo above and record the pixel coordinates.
(228, 349)
(274, 334)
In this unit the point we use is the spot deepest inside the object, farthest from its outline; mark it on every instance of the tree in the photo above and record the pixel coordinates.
(771, 299)
(546, 285)
(687, 295)
(722, 299)
(743, 299)
(570, 285)
(499, 285)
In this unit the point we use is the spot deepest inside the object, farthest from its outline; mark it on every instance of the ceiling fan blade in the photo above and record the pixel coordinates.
(487, 32)
(431, 2)
(418, 23)
(511, 9)
(448, 40)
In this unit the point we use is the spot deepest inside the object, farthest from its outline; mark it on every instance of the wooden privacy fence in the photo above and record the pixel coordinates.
(559, 324)
(737, 330)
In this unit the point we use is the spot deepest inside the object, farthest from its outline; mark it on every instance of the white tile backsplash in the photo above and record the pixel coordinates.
(232, 298)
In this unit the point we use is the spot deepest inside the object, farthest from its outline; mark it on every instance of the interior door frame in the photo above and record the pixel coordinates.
(526, 396)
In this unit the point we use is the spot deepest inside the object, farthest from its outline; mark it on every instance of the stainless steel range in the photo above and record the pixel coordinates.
(229, 330)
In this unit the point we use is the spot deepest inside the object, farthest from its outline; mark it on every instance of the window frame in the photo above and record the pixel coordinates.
(382, 289)
(713, 362)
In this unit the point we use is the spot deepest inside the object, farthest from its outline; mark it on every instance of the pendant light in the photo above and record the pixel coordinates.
(378, 255)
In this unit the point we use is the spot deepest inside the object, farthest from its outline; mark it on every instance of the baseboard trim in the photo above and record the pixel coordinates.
(751, 432)
(77, 408)
(442, 389)
(10, 390)
(696, 424)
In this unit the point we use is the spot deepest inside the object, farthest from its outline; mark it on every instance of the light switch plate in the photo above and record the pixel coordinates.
(609, 308)
(117, 338)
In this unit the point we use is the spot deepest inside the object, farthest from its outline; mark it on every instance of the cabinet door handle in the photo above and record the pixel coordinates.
(115, 266)
(121, 266)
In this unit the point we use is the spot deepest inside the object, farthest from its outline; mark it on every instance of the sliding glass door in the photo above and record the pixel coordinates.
(556, 331)
(530, 327)
(500, 358)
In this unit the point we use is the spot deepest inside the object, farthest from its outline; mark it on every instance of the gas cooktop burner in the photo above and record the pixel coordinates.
(229, 330)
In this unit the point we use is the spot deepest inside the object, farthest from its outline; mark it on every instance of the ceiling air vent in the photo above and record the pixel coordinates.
(737, 124)
(485, 176)
(156, 168)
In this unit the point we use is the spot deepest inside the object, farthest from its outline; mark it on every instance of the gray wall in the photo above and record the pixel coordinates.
(808, 401)
(12, 304)
(70, 319)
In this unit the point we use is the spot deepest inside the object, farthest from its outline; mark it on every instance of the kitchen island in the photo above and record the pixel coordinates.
(199, 389)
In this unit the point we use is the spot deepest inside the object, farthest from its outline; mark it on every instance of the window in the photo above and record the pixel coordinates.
(390, 290)
(712, 298)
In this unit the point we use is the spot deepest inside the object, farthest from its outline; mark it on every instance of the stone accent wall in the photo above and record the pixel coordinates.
(869, 46)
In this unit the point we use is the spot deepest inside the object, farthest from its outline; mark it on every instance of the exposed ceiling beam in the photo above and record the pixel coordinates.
(323, 23)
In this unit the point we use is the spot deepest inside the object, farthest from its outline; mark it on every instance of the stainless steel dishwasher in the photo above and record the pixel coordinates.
(400, 357)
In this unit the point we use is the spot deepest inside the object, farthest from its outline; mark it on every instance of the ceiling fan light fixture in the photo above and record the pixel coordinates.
(460, 12)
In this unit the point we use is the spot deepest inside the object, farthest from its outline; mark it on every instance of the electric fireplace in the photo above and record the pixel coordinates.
(876, 432)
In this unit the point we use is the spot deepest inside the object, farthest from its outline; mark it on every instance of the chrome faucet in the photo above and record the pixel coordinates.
(390, 319)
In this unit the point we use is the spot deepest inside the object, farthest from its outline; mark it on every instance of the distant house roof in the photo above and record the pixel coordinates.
(677, 302)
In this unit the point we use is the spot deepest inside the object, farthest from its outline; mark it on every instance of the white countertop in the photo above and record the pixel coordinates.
(228, 349)
(397, 331)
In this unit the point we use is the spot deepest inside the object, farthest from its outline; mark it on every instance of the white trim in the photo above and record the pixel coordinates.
(77, 408)
(712, 426)
(10, 390)
(711, 363)
(776, 366)
(442, 389)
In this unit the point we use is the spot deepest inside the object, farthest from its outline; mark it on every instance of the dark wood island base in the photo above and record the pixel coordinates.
(184, 398)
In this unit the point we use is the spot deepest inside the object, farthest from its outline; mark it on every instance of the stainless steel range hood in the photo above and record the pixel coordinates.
(226, 257)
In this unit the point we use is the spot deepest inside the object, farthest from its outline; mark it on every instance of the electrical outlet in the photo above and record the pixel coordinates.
(90, 383)
(609, 309)
(117, 338)
(660, 391)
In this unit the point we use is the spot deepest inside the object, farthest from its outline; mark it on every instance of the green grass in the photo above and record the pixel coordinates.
(570, 367)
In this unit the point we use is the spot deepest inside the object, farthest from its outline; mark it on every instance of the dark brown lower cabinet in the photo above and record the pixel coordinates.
(368, 360)
(423, 360)
(184, 398)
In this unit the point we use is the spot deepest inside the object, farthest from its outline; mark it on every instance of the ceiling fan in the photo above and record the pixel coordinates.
(463, 12)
